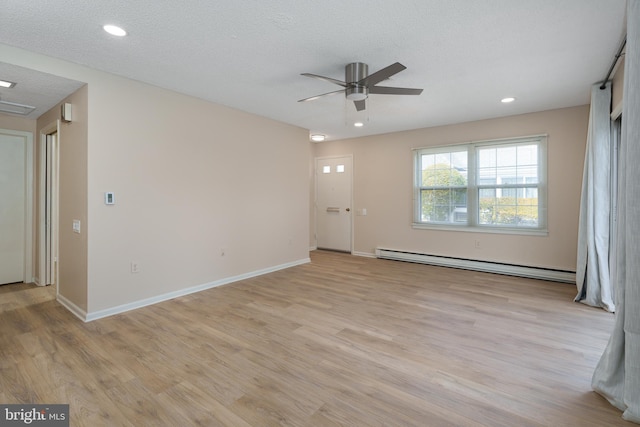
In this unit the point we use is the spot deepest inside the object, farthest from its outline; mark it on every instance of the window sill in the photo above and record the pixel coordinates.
(487, 229)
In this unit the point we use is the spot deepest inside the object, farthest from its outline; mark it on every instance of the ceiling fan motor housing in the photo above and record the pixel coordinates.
(355, 72)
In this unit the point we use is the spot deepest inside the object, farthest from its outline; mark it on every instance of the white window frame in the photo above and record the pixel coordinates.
(472, 223)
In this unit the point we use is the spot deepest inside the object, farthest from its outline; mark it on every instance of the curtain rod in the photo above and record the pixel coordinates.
(615, 61)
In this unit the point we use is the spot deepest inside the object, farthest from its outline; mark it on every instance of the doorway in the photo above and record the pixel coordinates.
(334, 183)
(48, 212)
(16, 182)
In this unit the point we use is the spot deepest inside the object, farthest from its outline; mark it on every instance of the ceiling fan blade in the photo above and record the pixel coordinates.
(360, 105)
(385, 90)
(383, 74)
(311, 98)
(327, 79)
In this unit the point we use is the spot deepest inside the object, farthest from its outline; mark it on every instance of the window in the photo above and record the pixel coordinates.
(489, 185)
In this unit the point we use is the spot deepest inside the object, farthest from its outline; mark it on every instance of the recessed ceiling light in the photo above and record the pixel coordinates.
(358, 124)
(507, 100)
(318, 137)
(115, 30)
(7, 84)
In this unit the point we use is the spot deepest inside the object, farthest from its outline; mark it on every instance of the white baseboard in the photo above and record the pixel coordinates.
(485, 266)
(364, 254)
(88, 317)
(77, 311)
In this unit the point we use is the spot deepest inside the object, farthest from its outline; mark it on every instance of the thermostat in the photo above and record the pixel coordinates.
(109, 198)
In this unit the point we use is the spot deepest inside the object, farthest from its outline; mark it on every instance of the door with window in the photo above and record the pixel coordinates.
(333, 203)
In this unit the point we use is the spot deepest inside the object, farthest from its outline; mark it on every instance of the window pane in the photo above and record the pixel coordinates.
(444, 169)
(506, 156)
(448, 205)
(517, 164)
(340, 168)
(326, 169)
(502, 207)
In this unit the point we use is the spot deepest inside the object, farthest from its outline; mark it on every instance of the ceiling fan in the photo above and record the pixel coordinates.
(359, 84)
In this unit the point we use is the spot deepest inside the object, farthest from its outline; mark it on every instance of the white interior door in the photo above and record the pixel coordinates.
(13, 154)
(333, 203)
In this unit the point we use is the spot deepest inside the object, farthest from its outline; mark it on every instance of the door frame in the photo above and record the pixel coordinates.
(51, 128)
(315, 198)
(27, 275)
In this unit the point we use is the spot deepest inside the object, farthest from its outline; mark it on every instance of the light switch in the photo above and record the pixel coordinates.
(109, 198)
(76, 226)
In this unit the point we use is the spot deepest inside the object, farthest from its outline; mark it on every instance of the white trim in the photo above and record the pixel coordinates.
(482, 229)
(74, 309)
(88, 317)
(28, 258)
(485, 266)
(364, 254)
(497, 141)
(617, 111)
(53, 127)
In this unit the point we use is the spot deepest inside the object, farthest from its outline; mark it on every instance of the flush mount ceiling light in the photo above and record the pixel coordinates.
(507, 100)
(114, 30)
(7, 84)
(358, 124)
(318, 137)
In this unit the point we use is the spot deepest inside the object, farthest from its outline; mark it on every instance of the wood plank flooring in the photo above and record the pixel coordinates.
(342, 341)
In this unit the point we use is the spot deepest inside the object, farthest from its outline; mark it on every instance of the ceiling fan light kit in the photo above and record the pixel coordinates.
(358, 84)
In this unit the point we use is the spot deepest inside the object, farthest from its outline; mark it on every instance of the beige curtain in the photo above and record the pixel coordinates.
(617, 375)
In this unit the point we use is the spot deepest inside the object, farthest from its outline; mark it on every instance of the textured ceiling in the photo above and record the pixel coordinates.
(248, 54)
(35, 89)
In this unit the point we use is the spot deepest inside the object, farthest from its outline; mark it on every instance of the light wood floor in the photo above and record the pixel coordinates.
(342, 341)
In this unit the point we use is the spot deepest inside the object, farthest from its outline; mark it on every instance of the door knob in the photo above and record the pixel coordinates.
(348, 210)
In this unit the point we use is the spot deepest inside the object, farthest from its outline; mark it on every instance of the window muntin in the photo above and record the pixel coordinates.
(489, 185)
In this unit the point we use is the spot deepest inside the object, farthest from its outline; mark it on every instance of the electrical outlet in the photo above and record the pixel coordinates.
(135, 267)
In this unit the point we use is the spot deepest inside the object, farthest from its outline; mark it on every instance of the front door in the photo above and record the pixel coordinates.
(12, 207)
(333, 203)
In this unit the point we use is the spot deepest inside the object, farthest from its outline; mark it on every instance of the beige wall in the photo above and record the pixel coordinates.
(190, 178)
(17, 123)
(383, 176)
(72, 196)
(617, 86)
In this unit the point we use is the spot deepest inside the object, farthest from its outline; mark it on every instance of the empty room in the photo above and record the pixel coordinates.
(408, 213)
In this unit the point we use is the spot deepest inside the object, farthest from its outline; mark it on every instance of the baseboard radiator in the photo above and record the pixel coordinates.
(485, 266)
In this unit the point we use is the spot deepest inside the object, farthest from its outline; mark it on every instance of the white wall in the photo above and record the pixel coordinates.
(383, 179)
